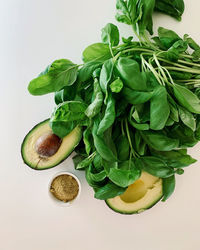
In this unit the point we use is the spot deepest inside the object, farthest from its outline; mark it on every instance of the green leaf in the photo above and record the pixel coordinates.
(197, 132)
(102, 148)
(140, 144)
(167, 37)
(129, 71)
(106, 74)
(108, 138)
(97, 162)
(124, 15)
(180, 46)
(157, 41)
(98, 177)
(175, 158)
(187, 99)
(174, 114)
(97, 52)
(180, 75)
(154, 166)
(139, 126)
(197, 92)
(120, 107)
(122, 5)
(136, 13)
(123, 19)
(61, 73)
(108, 191)
(116, 86)
(136, 97)
(132, 9)
(85, 92)
(122, 146)
(159, 108)
(159, 141)
(168, 187)
(109, 116)
(127, 40)
(184, 134)
(110, 35)
(133, 122)
(68, 93)
(62, 129)
(180, 171)
(85, 163)
(187, 118)
(151, 80)
(88, 140)
(193, 45)
(173, 8)
(108, 165)
(125, 176)
(95, 107)
(142, 112)
(173, 53)
(169, 122)
(77, 159)
(69, 111)
(146, 22)
(85, 73)
(67, 116)
(90, 178)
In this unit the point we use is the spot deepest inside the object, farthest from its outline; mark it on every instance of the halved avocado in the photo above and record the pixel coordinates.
(34, 160)
(141, 195)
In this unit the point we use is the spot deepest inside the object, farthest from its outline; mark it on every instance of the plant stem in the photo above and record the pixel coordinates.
(136, 34)
(153, 71)
(172, 63)
(193, 71)
(189, 63)
(189, 80)
(172, 81)
(137, 49)
(111, 51)
(150, 44)
(122, 128)
(92, 155)
(160, 68)
(129, 138)
(117, 56)
(186, 56)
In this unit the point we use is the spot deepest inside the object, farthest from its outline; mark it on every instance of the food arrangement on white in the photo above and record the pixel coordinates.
(130, 111)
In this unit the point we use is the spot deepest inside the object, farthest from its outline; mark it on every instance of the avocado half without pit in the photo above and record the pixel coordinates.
(139, 196)
(41, 149)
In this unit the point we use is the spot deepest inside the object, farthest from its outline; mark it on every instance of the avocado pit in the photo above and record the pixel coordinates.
(47, 145)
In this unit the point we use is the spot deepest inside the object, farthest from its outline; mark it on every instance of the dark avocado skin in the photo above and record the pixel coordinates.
(125, 213)
(24, 142)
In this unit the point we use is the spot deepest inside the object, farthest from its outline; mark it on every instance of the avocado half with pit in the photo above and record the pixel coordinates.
(41, 149)
(139, 196)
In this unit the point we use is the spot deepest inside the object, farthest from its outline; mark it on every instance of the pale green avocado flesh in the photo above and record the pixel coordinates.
(140, 196)
(31, 157)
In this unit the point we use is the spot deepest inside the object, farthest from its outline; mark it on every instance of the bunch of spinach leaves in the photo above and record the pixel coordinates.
(137, 102)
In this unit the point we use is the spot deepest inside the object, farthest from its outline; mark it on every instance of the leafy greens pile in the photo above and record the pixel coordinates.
(137, 102)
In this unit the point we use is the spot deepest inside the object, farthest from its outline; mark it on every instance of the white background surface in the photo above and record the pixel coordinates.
(33, 34)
